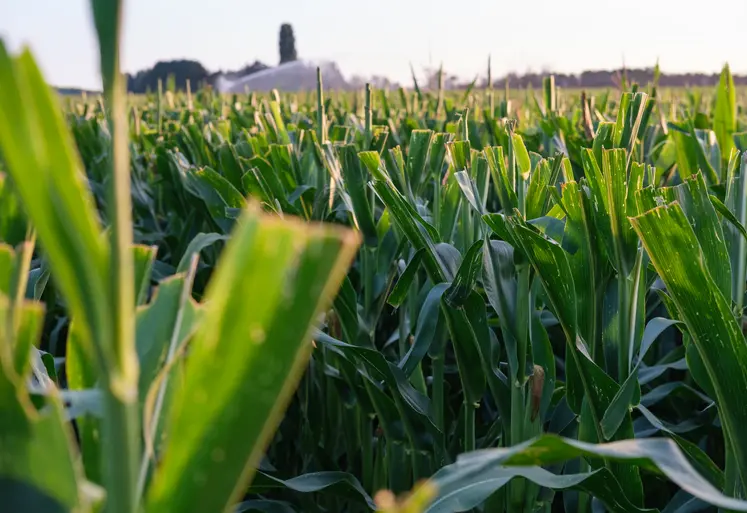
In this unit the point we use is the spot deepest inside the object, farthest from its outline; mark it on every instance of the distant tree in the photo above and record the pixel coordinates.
(287, 44)
(174, 74)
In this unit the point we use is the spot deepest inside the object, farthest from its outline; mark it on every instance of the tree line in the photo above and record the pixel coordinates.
(175, 73)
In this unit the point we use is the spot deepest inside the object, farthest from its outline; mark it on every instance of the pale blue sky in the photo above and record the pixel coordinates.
(383, 36)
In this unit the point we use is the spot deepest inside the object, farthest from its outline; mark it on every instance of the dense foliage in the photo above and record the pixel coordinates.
(545, 314)
(502, 291)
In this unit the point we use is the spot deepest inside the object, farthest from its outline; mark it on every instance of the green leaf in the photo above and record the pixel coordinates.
(603, 139)
(464, 486)
(677, 255)
(13, 223)
(630, 389)
(285, 166)
(600, 200)
(694, 200)
(725, 112)
(196, 245)
(585, 256)
(172, 314)
(459, 152)
(624, 242)
(338, 483)
(499, 281)
(264, 342)
(633, 116)
(47, 173)
(356, 184)
(402, 287)
(230, 165)
(736, 202)
(654, 454)
(268, 179)
(538, 194)
(143, 258)
(686, 150)
(417, 153)
(553, 270)
(699, 459)
(217, 193)
(501, 181)
(277, 118)
(346, 307)
(420, 234)
(470, 191)
(427, 329)
(731, 218)
(35, 445)
(408, 405)
(522, 156)
(468, 355)
(466, 278)
(550, 262)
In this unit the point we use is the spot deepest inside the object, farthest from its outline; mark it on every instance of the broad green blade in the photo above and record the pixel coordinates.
(427, 329)
(474, 470)
(676, 253)
(618, 184)
(735, 214)
(399, 293)
(420, 233)
(258, 318)
(13, 223)
(501, 181)
(459, 153)
(466, 277)
(692, 196)
(339, 483)
(551, 263)
(538, 193)
(470, 192)
(142, 258)
(47, 173)
(462, 487)
(196, 245)
(585, 257)
(37, 468)
(725, 112)
(171, 309)
(230, 165)
(217, 193)
(468, 355)
(277, 118)
(699, 459)
(420, 141)
(356, 184)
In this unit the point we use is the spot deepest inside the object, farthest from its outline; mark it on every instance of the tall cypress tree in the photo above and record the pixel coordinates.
(287, 44)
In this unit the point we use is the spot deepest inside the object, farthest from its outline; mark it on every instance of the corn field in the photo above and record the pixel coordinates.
(406, 301)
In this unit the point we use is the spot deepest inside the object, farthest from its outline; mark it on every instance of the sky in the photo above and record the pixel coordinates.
(385, 36)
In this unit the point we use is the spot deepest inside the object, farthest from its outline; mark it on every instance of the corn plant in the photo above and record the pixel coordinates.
(185, 409)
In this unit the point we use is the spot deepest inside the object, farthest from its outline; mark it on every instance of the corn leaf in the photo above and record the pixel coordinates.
(297, 268)
(468, 482)
(679, 259)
